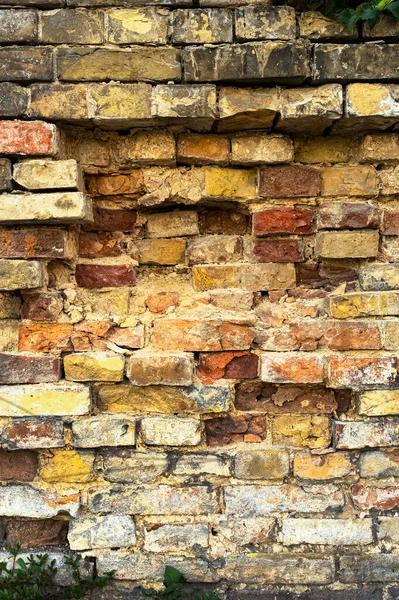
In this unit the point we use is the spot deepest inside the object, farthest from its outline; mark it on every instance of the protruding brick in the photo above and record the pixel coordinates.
(150, 369)
(44, 400)
(28, 138)
(377, 403)
(170, 431)
(43, 242)
(56, 207)
(94, 366)
(283, 220)
(347, 244)
(59, 102)
(310, 110)
(46, 174)
(247, 108)
(21, 274)
(287, 181)
(291, 368)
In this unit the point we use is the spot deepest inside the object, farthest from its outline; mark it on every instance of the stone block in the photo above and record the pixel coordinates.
(150, 369)
(348, 215)
(228, 365)
(301, 431)
(373, 569)
(266, 62)
(379, 464)
(349, 181)
(94, 366)
(121, 103)
(47, 399)
(347, 244)
(20, 465)
(18, 26)
(364, 304)
(95, 432)
(226, 184)
(45, 306)
(214, 249)
(322, 467)
(373, 100)
(175, 537)
(316, 26)
(170, 431)
(375, 498)
(26, 501)
(68, 466)
(72, 26)
(28, 138)
(133, 64)
(333, 149)
(379, 277)
(110, 531)
(102, 276)
(377, 403)
(380, 148)
(355, 62)
(247, 108)
(37, 533)
(129, 466)
(202, 26)
(21, 274)
(309, 111)
(55, 207)
(13, 100)
(202, 464)
(202, 149)
(161, 251)
(261, 277)
(5, 175)
(31, 433)
(356, 372)
(222, 431)
(283, 219)
(283, 250)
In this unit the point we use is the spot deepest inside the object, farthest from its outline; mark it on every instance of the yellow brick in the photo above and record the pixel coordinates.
(237, 184)
(377, 403)
(116, 101)
(347, 244)
(208, 277)
(44, 400)
(94, 366)
(349, 181)
(68, 466)
(331, 149)
(301, 431)
(368, 99)
(322, 466)
(364, 304)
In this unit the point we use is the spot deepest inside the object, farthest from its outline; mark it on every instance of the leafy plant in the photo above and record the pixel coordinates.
(34, 578)
(174, 588)
(350, 12)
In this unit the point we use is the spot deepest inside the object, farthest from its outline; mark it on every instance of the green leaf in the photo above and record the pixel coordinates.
(393, 8)
(173, 575)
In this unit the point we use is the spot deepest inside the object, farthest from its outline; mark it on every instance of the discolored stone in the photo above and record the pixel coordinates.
(228, 365)
(55, 207)
(28, 368)
(143, 25)
(202, 26)
(347, 244)
(94, 366)
(130, 466)
(107, 219)
(278, 250)
(222, 431)
(28, 137)
(323, 467)
(259, 148)
(67, 466)
(202, 149)
(223, 221)
(301, 431)
(262, 464)
(30, 433)
(36, 533)
(41, 242)
(262, 397)
(265, 23)
(161, 251)
(72, 26)
(42, 307)
(286, 181)
(26, 64)
(215, 249)
(20, 465)
(13, 100)
(48, 399)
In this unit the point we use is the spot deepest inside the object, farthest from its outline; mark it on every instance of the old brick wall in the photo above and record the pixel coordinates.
(199, 275)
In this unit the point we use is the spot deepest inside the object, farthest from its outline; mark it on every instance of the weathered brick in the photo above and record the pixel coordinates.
(125, 104)
(332, 532)
(26, 501)
(44, 337)
(315, 26)
(221, 221)
(280, 62)
(56, 207)
(26, 64)
(372, 100)
(262, 464)
(173, 224)
(170, 431)
(107, 219)
(387, 529)
(130, 466)
(110, 185)
(278, 250)
(13, 100)
(110, 531)
(267, 398)
(247, 108)
(301, 431)
(46, 174)
(347, 244)
(104, 431)
(215, 249)
(332, 149)
(144, 25)
(265, 23)
(323, 467)
(160, 398)
(150, 369)
(28, 137)
(324, 276)
(33, 433)
(248, 149)
(5, 175)
(159, 303)
(310, 110)
(20, 465)
(67, 466)
(47, 399)
(202, 149)
(163, 500)
(390, 222)
(94, 366)
(354, 62)
(260, 277)
(161, 251)
(254, 501)
(202, 26)
(29, 368)
(379, 277)
(10, 306)
(8, 336)
(379, 402)
(285, 219)
(99, 276)
(236, 184)
(358, 371)
(348, 215)
(135, 64)
(378, 568)
(21, 274)
(228, 365)
(379, 464)
(44, 242)
(364, 304)
(206, 464)
(370, 497)
(174, 537)
(349, 181)
(36, 533)
(291, 368)
(365, 434)
(222, 431)
(98, 245)
(380, 148)
(286, 181)
(72, 26)
(42, 307)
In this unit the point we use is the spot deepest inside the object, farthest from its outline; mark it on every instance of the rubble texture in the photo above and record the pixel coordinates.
(199, 295)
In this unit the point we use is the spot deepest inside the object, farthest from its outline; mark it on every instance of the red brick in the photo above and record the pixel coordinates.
(235, 336)
(278, 250)
(36, 533)
(28, 137)
(44, 242)
(370, 497)
(99, 276)
(390, 222)
(107, 219)
(289, 181)
(258, 396)
(359, 371)
(44, 337)
(98, 245)
(283, 219)
(229, 365)
(42, 307)
(348, 215)
(159, 303)
(311, 335)
(19, 368)
(19, 465)
(316, 276)
(289, 367)
(232, 429)
(227, 222)
(33, 433)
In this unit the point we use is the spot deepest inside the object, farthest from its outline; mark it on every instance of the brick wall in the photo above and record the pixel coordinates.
(200, 296)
